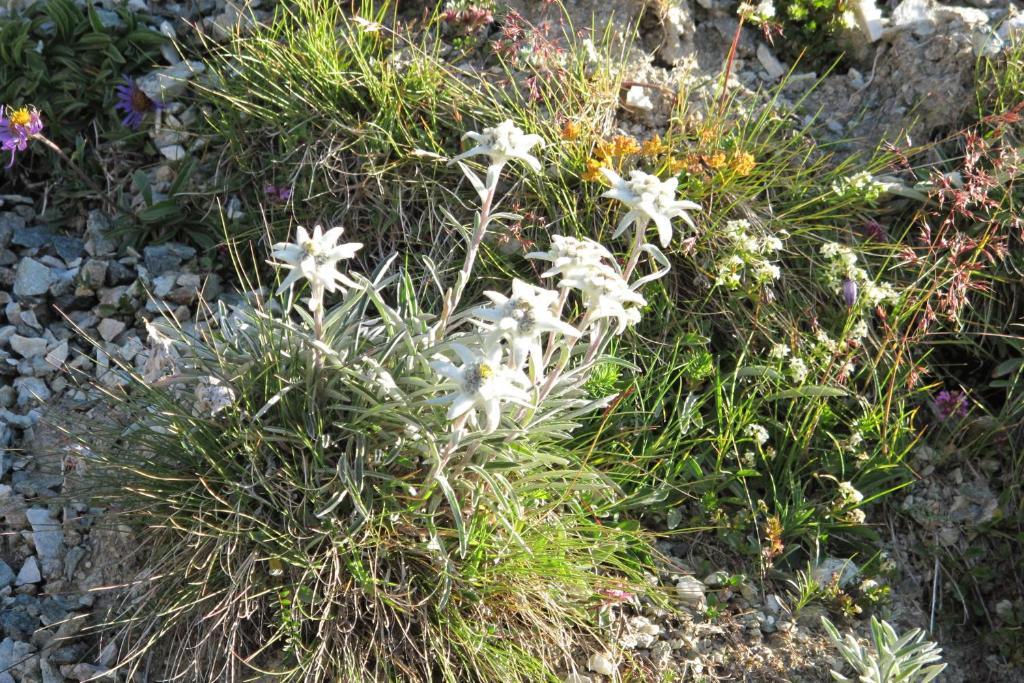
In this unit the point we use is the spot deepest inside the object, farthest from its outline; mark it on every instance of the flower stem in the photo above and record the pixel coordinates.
(100, 193)
(454, 295)
(728, 66)
(634, 249)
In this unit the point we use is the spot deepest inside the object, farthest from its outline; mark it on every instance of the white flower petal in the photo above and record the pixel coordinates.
(664, 228)
(461, 405)
(492, 410)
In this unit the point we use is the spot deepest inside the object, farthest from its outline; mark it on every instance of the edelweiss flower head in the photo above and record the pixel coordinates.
(571, 257)
(648, 199)
(523, 317)
(315, 258)
(483, 383)
(503, 142)
(607, 295)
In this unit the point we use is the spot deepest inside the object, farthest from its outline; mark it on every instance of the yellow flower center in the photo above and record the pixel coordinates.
(20, 117)
(486, 371)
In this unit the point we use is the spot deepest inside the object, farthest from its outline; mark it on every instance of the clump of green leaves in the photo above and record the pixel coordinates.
(811, 25)
(316, 492)
(895, 659)
(66, 60)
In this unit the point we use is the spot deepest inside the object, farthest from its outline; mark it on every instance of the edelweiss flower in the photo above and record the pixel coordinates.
(606, 295)
(503, 142)
(483, 383)
(522, 319)
(572, 258)
(315, 258)
(648, 199)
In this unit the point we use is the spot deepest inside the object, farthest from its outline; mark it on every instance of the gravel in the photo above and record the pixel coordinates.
(32, 278)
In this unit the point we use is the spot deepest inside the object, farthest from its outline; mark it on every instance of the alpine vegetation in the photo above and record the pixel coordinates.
(357, 478)
(907, 658)
(896, 659)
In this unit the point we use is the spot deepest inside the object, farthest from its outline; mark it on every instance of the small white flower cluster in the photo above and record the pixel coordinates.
(757, 432)
(746, 254)
(796, 367)
(851, 281)
(855, 444)
(761, 13)
(860, 185)
(779, 352)
(850, 497)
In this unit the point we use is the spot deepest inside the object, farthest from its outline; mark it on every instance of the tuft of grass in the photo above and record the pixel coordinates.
(357, 115)
(295, 524)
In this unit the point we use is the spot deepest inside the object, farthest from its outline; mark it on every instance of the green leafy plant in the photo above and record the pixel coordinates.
(895, 659)
(66, 60)
(381, 488)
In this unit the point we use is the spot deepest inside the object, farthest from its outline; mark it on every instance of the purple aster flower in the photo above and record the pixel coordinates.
(950, 403)
(277, 194)
(17, 127)
(134, 102)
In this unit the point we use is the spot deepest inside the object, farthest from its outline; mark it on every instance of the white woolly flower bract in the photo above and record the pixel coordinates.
(571, 257)
(649, 199)
(502, 143)
(483, 383)
(522, 318)
(607, 295)
(315, 257)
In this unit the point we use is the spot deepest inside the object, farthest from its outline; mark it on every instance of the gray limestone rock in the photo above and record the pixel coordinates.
(28, 347)
(162, 258)
(48, 536)
(32, 278)
(29, 572)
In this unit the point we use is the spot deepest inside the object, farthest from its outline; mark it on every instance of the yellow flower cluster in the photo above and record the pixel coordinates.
(610, 153)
